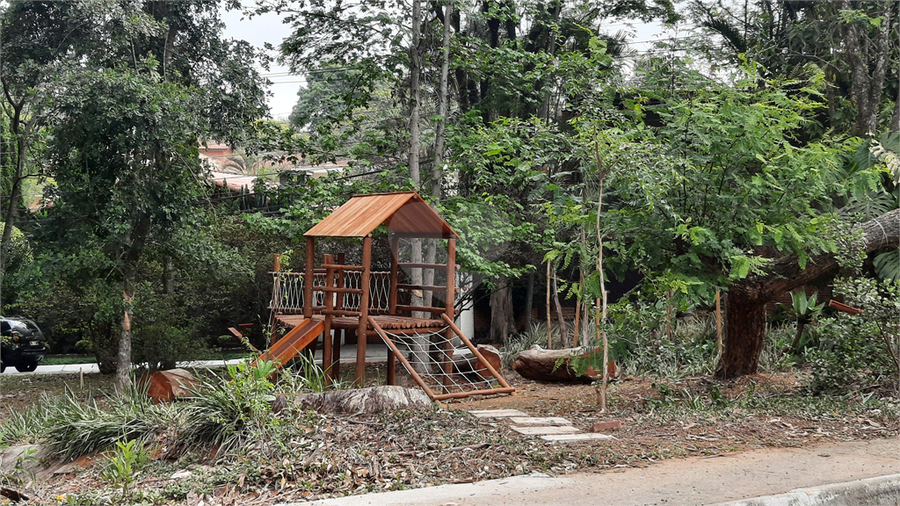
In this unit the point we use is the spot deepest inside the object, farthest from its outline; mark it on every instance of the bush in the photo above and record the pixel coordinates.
(859, 352)
(638, 340)
(224, 410)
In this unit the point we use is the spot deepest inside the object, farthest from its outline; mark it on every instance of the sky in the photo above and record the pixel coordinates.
(258, 31)
(269, 28)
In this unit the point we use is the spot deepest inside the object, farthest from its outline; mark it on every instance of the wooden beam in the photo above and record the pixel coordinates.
(395, 274)
(308, 277)
(363, 311)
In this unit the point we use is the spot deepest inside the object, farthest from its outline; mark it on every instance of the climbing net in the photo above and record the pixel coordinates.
(442, 370)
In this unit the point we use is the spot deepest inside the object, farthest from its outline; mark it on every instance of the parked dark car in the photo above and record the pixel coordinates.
(21, 344)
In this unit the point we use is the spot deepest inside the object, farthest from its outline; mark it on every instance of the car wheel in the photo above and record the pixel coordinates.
(26, 367)
(2, 367)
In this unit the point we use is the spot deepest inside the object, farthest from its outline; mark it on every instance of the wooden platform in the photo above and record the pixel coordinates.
(387, 322)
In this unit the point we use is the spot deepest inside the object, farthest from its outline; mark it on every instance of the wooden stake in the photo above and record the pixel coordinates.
(719, 322)
(669, 334)
(549, 330)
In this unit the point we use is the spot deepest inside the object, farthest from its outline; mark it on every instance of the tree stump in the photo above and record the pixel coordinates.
(465, 362)
(166, 386)
(364, 400)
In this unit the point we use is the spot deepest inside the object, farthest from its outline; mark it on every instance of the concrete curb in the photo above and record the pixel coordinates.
(879, 491)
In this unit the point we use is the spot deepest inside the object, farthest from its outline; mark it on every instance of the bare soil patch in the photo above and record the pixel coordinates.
(353, 454)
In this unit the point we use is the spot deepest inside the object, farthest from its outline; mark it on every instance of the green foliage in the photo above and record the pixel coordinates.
(535, 335)
(859, 352)
(75, 428)
(224, 410)
(728, 180)
(124, 463)
(641, 345)
(163, 332)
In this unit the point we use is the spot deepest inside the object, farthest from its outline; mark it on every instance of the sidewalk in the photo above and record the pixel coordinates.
(375, 353)
(834, 474)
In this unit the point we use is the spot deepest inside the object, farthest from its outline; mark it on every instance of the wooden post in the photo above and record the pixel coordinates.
(308, 301)
(719, 322)
(395, 275)
(363, 311)
(450, 311)
(328, 260)
(276, 291)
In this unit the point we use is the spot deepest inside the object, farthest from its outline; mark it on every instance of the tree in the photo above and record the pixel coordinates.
(131, 117)
(725, 194)
(126, 167)
(852, 42)
(35, 39)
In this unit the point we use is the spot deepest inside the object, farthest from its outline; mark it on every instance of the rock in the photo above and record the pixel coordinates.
(365, 400)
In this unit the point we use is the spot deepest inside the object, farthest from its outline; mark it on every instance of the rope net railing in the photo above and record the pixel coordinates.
(287, 292)
(442, 370)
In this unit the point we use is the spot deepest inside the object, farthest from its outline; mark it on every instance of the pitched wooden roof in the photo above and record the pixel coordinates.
(405, 213)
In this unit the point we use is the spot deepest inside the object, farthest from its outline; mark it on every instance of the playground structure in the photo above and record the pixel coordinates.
(337, 298)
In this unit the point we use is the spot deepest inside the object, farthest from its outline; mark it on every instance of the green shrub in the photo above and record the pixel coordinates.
(639, 341)
(858, 352)
(224, 409)
(535, 335)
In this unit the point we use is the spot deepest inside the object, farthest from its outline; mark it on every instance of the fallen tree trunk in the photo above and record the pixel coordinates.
(745, 309)
(539, 364)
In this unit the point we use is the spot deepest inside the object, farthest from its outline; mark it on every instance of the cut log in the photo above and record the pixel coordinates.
(166, 386)
(465, 362)
(539, 364)
(364, 400)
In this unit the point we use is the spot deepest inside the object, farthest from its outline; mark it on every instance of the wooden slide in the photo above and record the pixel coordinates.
(299, 337)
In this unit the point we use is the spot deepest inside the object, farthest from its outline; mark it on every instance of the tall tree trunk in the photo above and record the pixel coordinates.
(529, 299)
(745, 316)
(123, 359)
(502, 320)
(563, 328)
(420, 345)
(135, 241)
(868, 61)
(439, 136)
(22, 133)
(745, 319)
(169, 277)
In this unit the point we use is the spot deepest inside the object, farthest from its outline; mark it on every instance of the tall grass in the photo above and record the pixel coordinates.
(77, 428)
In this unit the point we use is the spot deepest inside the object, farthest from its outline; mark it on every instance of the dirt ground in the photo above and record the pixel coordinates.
(647, 423)
(650, 419)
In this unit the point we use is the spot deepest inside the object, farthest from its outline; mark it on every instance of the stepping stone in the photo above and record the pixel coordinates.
(564, 438)
(497, 413)
(539, 420)
(540, 431)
